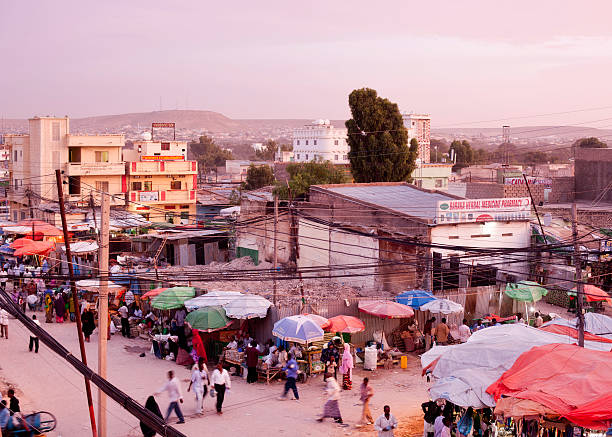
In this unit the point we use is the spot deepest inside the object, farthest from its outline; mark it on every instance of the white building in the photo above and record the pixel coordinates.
(320, 141)
(419, 127)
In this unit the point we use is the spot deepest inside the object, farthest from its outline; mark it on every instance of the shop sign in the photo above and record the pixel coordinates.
(483, 210)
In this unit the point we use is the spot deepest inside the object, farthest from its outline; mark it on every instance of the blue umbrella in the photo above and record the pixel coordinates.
(414, 298)
(299, 329)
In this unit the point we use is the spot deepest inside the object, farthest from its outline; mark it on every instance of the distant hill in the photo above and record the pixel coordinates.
(526, 132)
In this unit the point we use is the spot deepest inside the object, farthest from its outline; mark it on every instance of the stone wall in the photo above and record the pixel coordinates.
(562, 190)
(593, 173)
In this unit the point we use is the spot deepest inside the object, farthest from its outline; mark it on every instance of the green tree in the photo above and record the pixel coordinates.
(437, 150)
(258, 176)
(377, 139)
(208, 154)
(463, 151)
(304, 174)
(481, 156)
(590, 143)
(535, 157)
(270, 149)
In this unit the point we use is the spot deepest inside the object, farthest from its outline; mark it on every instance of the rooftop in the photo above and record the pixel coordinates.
(396, 196)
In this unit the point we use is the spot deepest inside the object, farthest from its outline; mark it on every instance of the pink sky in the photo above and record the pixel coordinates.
(461, 61)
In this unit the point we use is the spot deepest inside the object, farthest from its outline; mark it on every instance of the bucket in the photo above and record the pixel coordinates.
(404, 362)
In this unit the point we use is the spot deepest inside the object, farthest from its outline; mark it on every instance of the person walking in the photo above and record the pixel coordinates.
(346, 368)
(87, 318)
(152, 406)
(331, 407)
(198, 377)
(386, 423)
(252, 357)
(366, 393)
(125, 321)
(428, 332)
(292, 372)
(221, 381)
(60, 308)
(33, 338)
(174, 393)
(442, 331)
(4, 321)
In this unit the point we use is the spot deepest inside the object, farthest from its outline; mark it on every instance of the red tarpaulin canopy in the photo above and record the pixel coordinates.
(40, 227)
(25, 246)
(572, 332)
(565, 378)
(386, 309)
(596, 294)
(152, 293)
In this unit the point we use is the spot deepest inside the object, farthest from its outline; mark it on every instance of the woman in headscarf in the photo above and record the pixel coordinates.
(198, 346)
(60, 308)
(347, 368)
(152, 406)
(48, 308)
(88, 323)
(331, 407)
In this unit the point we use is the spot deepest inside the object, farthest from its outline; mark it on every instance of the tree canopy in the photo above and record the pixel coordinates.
(463, 151)
(304, 174)
(270, 149)
(377, 139)
(258, 176)
(208, 154)
(590, 143)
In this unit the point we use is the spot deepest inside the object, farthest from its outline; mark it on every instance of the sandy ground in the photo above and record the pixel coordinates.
(45, 382)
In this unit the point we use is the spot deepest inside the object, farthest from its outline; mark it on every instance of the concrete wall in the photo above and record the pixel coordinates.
(593, 173)
(562, 190)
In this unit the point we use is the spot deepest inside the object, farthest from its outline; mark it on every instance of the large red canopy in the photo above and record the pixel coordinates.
(565, 378)
(25, 246)
(573, 332)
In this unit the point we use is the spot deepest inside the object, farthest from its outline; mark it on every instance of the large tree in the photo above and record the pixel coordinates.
(270, 149)
(590, 143)
(303, 175)
(208, 154)
(377, 139)
(258, 176)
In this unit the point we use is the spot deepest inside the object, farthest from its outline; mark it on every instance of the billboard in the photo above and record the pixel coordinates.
(162, 158)
(531, 179)
(169, 125)
(483, 210)
(148, 196)
(605, 247)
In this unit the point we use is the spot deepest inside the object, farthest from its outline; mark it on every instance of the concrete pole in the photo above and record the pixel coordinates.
(579, 285)
(103, 306)
(275, 244)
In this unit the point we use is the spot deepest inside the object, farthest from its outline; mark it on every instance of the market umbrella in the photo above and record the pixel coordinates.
(248, 306)
(345, 324)
(299, 329)
(442, 306)
(152, 293)
(208, 319)
(172, 298)
(320, 320)
(25, 246)
(386, 309)
(94, 285)
(414, 298)
(526, 291)
(593, 294)
(212, 299)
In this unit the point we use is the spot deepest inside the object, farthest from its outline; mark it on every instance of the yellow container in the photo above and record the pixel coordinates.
(404, 362)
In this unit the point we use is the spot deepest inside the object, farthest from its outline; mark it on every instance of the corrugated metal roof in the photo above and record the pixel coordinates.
(402, 198)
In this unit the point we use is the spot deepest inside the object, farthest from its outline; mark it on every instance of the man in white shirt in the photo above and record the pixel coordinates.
(198, 376)
(125, 321)
(4, 321)
(174, 393)
(464, 331)
(539, 321)
(221, 381)
(386, 423)
(33, 338)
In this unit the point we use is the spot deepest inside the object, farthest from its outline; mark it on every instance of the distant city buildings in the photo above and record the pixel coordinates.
(320, 141)
(419, 127)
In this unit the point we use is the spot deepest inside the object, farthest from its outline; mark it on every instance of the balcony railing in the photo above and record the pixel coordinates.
(163, 196)
(94, 168)
(162, 167)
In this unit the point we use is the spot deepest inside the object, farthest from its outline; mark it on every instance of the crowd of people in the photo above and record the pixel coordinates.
(443, 419)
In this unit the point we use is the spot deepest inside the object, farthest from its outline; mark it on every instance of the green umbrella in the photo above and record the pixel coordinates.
(172, 298)
(526, 291)
(208, 319)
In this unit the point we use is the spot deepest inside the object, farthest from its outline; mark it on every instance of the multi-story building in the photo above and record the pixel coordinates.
(320, 141)
(90, 164)
(419, 127)
(161, 183)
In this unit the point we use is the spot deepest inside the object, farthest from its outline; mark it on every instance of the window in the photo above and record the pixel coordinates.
(298, 156)
(439, 183)
(184, 215)
(74, 185)
(136, 186)
(55, 131)
(15, 156)
(165, 146)
(335, 157)
(101, 156)
(170, 217)
(306, 142)
(298, 142)
(345, 157)
(102, 186)
(148, 185)
(184, 206)
(315, 142)
(335, 142)
(307, 155)
(175, 185)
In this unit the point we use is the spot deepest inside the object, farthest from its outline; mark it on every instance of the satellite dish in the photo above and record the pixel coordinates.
(146, 136)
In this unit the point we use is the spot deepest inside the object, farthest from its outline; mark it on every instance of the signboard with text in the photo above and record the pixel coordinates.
(160, 125)
(605, 247)
(483, 210)
(531, 179)
(148, 196)
(162, 158)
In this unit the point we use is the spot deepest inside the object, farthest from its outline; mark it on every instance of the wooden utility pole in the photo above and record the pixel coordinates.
(275, 245)
(579, 285)
(103, 254)
(75, 298)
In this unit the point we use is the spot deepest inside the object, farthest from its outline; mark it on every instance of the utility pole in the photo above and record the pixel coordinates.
(103, 305)
(275, 245)
(75, 298)
(579, 285)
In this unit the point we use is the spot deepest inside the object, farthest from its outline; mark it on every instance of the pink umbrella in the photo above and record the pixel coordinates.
(152, 293)
(386, 309)
(348, 324)
(319, 320)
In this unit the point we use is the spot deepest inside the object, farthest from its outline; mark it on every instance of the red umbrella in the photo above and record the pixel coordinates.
(152, 293)
(319, 320)
(348, 324)
(596, 294)
(386, 309)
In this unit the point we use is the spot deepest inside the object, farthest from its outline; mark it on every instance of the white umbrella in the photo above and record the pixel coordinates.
(443, 306)
(248, 306)
(94, 285)
(212, 299)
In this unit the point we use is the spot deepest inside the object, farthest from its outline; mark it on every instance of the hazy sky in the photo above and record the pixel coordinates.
(461, 61)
